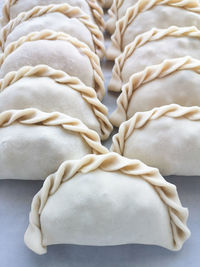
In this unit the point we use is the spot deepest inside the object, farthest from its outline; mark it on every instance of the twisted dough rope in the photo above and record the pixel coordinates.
(140, 119)
(60, 77)
(149, 74)
(52, 35)
(113, 15)
(34, 116)
(152, 35)
(65, 9)
(145, 5)
(110, 162)
(95, 8)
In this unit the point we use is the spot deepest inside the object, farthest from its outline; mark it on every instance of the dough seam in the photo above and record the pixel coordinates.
(149, 74)
(60, 77)
(52, 35)
(110, 162)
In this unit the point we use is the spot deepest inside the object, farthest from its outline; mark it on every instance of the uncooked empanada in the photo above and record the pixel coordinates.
(50, 90)
(145, 15)
(69, 19)
(117, 11)
(152, 48)
(12, 8)
(173, 81)
(33, 143)
(59, 51)
(99, 201)
(166, 138)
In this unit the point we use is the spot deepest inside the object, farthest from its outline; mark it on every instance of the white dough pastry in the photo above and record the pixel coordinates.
(58, 50)
(33, 143)
(173, 81)
(117, 11)
(51, 90)
(108, 3)
(69, 19)
(166, 138)
(12, 8)
(145, 15)
(152, 48)
(99, 201)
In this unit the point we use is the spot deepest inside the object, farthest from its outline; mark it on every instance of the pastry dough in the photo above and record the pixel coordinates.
(108, 3)
(173, 81)
(117, 11)
(58, 50)
(166, 138)
(12, 8)
(99, 200)
(145, 15)
(69, 19)
(152, 48)
(50, 90)
(33, 144)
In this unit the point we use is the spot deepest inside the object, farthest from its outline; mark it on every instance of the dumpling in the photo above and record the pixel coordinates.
(33, 143)
(166, 138)
(173, 81)
(117, 11)
(12, 8)
(50, 90)
(69, 19)
(152, 48)
(99, 201)
(59, 51)
(145, 15)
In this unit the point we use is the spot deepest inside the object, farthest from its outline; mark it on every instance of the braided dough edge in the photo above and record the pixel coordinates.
(149, 74)
(110, 162)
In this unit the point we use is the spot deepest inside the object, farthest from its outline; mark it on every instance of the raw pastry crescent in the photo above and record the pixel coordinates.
(173, 81)
(145, 15)
(50, 90)
(12, 8)
(166, 138)
(69, 19)
(33, 143)
(99, 200)
(152, 48)
(59, 51)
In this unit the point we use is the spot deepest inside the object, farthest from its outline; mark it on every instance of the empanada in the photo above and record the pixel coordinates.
(166, 138)
(50, 90)
(173, 81)
(12, 8)
(152, 48)
(145, 15)
(59, 51)
(69, 19)
(99, 201)
(33, 143)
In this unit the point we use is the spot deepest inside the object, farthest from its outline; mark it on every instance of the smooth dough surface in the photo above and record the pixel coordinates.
(68, 58)
(47, 95)
(32, 152)
(171, 145)
(161, 16)
(103, 208)
(155, 52)
(71, 26)
(181, 87)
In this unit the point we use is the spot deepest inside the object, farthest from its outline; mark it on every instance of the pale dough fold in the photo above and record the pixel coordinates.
(12, 8)
(69, 19)
(33, 143)
(152, 48)
(145, 15)
(99, 200)
(50, 90)
(166, 138)
(173, 81)
(58, 50)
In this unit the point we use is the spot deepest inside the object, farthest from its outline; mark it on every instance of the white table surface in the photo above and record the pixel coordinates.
(15, 201)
